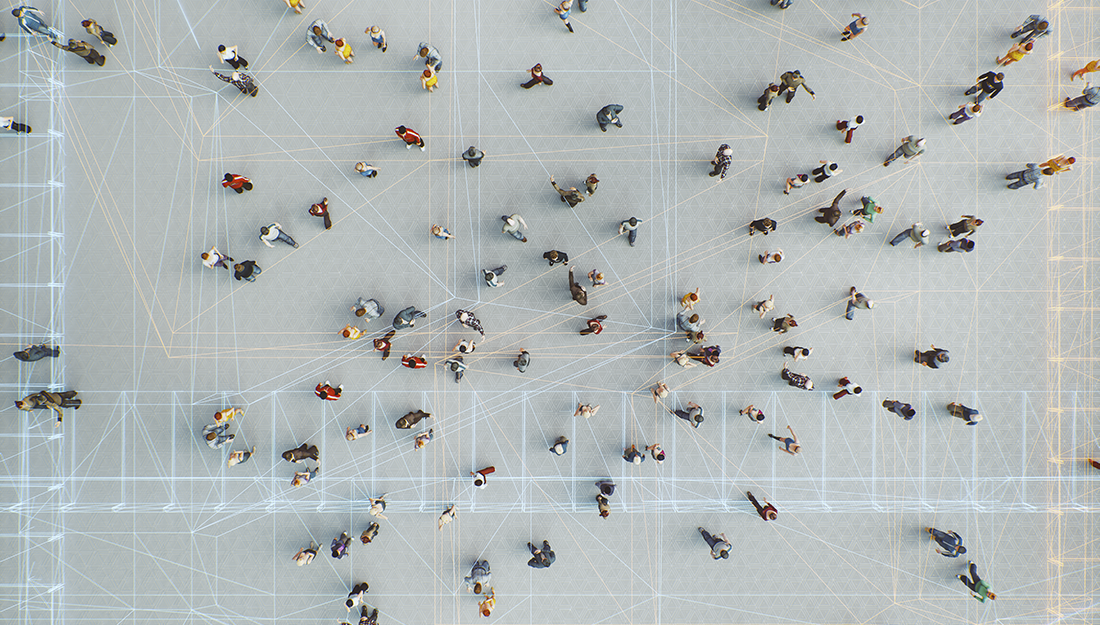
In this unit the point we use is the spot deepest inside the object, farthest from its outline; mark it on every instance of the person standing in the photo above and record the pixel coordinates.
(857, 300)
(512, 224)
(457, 366)
(428, 80)
(481, 476)
(537, 77)
(320, 209)
(577, 291)
(378, 505)
(11, 124)
(656, 452)
(480, 576)
(979, 588)
(240, 456)
(304, 477)
(555, 257)
(297, 5)
(274, 232)
(790, 443)
(407, 318)
(430, 55)
(560, 446)
(796, 182)
(563, 12)
(355, 433)
(966, 112)
(342, 48)
(689, 300)
(604, 506)
(473, 156)
(543, 558)
(693, 415)
(950, 541)
(831, 214)
(827, 170)
(229, 55)
(306, 555)
(911, 147)
(355, 597)
(485, 606)
(522, 361)
(492, 276)
(630, 228)
(243, 82)
(783, 325)
(719, 545)
(572, 196)
(317, 35)
(855, 29)
(1034, 27)
(965, 226)
(609, 115)
(423, 439)
(917, 233)
(1033, 175)
(932, 358)
(84, 51)
(632, 456)
(791, 81)
(905, 411)
(34, 353)
(764, 102)
(385, 344)
(412, 361)
(246, 270)
(410, 137)
(764, 306)
(586, 410)
(765, 226)
(366, 170)
(849, 127)
(766, 512)
(590, 184)
(594, 325)
(215, 435)
(597, 278)
(105, 37)
(988, 85)
(722, 160)
(377, 37)
(341, 546)
(33, 22)
(369, 308)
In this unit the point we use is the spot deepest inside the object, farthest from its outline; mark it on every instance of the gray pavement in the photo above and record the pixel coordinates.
(122, 514)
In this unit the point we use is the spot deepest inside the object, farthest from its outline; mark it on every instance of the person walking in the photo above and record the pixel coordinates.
(764, 306)
(754, 413)
(464, 347)
(341, 546)
(50, 400)
(764, 102)
(366, 169)
(797, 380)
(917, 233)
(966, 112)
(1058, 164)
(604, 506)
(657, 452)
(473, 156)
(855, 29)
(770, 258)
(848, 127)
(766, 512)
(34, 353)
(988, 85)
(84, 51)
(586, 410)
(320, 209)
(1090, 97)
(831, 214)
(827, 170)
(970, 415)
(457, 366)
(317, 34)
(783, 325)
(572, 196)
(229, 55)
(468, 319)
(911, 147)
(560, 446)
(555, 257)
(412, 361)
(722, 160)
(594, 325)
(857, 300)
(105, 37)
(214, 258)
(485, 606)
(791, 81)
(480, 577)
(790, 443)
(377, 37)
(325, 391)
(430, 55)
(354, 434)
(577, 291)
(243, 82)
(795, 182)
(306, 555)
(304, 477)
(764, 226)
(355, 597)
(932, 358)
(512, 225)
(979, 588)
(961, 245)
(297, 5)
(10, 124)
(1032, 175)
(522, 361)
(693, 415)
(481, 476)
(378, 506)
(410, 137)
(563, 12)
(689, 300)
(609, 115)
(950, 541)
(246, 270)
(632, 456)
(537, 77)
(301, 453)
(369, 308)
(492, 276)
(1018, 51)
(905, 411)
(423, 438)
(719, 546)
(274, 232)
(847, 387)
(1034, 27)
(385, 344)
(597, 278)
(630, 228)
(798, 353)
(216, 435)
(407, 318)
(33, 22)
(1090, 67)
(965, 226)
(440, 232)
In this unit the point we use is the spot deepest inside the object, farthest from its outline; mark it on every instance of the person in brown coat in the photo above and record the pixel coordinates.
(411, 418)
(572, 196)
(83, 50)
(577, 291)
(301, 453)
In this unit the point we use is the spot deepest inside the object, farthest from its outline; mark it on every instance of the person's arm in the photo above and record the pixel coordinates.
(519, 218)
(622, 227)
(793, 434)
(996, 90)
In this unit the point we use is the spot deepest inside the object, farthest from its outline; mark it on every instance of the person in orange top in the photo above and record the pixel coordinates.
(343, 50)
(428, 78)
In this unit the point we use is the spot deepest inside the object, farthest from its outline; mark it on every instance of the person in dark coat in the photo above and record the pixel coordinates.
(831, 214)
(609, 115)
(412, 418)
(932, 358)
(35, 353)
(301, 453)
(580, 295)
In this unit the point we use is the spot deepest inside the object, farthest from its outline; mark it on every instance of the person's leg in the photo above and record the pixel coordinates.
(850, 313)
(632, 236)
(717, 169)
(981, 96)
(972, 90)
(707, 536)
(286, 238)
(257, 271)
(901, 237)
(755, 503)
(1017, 184)
(974, 574)
(517, 234)
(893, 157)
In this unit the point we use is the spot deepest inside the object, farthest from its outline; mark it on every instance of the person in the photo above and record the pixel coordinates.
(572, 196)
(355, 597)
(327, 392)
(988, 85)
(216, 436)
(917, 233)
(961, 245)
(770, 258)
(33, 22)
(369, 308)
(480, 576)
(407, 318)
(594, 325)
(385, 344)
(560, 446)
(411, 418)
(689, 321)
(227, 414)
(683, 359)
(365, 619)
(341, 546)
(377, 37)
(55, 401)
(512, 224)
(297, 5)
(827, 170)
(765, 306)
(34, 353)
(468, 319)
(1032, 175)
(229, 55)
(798, 353)
(1094, 463)
(970, 415)
(965, 226)
(693, 415)
(633, 456)
(464, 347)
(831, 214)
(456, 365)
(857, 300)
(966, 112)
(586, 410)
(604, 506)
(429, 80)
(659, 392)
(791, 81)
(1018, 51)
(1091, 66)
(246, 270)
(369, 534)
(448, 515)
(911, 147)
(485, 607)
(932, 358)
(301, 453)
(440, 232)
(358, 432)
(783, 325)
(306, 555)
(591, 183)
(722, 160)
(782, 4)
(105, 37)
(563, 12)
(492, 276)
(1090, 96)
(597, 278)
(950, 541)
(657, 452)
(764, 102)
(243, 82)
(378, 506)
(522, 361)
(979, 588)
(342, 48)
(537, 77)
(274, 232)
(84, 51)
(766, 512)
(10, 124)
(847, 230)
(630, 227)
(719, 545)
(848, 127)
(317, 34)
(609, 115)
(1034, 27)
(412, 361)
(765, 226)
(905, 411)
(796, 380)
(423, 439)
(796, 182)
(847, 387)
(473, 156)
(577, 291)
(481, 476)
(366, 169)
(320, 209)
(1058, 164)
(410, 137)
(855, 29)
(689, 300)
(430, 55)
(543, 558)
(790, 443)
(754, 413)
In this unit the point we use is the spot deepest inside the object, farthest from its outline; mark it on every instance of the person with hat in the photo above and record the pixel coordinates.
(719, 545)
(630, 228)
(377, 37)
(537, 77)
(932, 358)
(473, 156)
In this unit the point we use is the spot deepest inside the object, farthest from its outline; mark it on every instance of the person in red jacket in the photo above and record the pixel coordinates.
(237, 182)
(325, 391)
(410, 137)
(414, 362)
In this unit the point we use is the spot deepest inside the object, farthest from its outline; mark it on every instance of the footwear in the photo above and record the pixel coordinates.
(408, 146)
(422, 148)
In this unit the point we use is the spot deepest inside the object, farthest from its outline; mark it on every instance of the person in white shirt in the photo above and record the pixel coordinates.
(274, 231)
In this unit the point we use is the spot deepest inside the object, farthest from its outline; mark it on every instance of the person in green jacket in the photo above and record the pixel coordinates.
(979, 588)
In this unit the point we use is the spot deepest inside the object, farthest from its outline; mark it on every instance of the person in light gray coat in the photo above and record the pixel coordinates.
(917, 233)
(317, 34)
(430, 55)
(407, 318)
(1033, 175)
(369, 308)
(480, 577)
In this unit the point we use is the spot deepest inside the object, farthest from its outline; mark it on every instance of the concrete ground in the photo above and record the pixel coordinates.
(120, 515)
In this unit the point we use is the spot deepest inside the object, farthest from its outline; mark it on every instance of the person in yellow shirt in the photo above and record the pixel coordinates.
(428, 79)
(343, 50)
